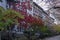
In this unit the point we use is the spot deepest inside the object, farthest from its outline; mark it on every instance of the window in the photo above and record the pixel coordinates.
(22, 0)
(20, 7)
(10, 0)
(0, 0)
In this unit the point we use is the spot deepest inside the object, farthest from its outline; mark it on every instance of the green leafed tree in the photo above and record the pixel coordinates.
(8, 17)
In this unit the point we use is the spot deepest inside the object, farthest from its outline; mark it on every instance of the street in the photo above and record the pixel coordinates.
(53, 38)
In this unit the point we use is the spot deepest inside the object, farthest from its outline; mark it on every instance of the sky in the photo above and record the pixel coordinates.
(42, 4)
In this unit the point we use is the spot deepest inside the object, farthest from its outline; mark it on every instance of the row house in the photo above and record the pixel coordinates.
(49, 21)
(24, 6)
(38, 12)
(3, 3)
(55, 11)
